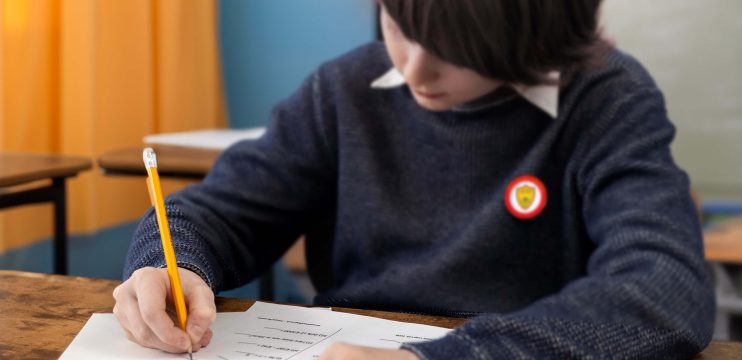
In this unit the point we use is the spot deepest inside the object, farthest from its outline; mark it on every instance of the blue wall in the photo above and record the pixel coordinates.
(268, 47)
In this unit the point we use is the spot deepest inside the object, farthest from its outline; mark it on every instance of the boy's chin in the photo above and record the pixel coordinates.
(433, 105)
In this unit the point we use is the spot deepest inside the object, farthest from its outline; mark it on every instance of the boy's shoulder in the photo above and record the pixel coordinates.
(361, 65)
(629, 68)
(617, 77)
(618, 70)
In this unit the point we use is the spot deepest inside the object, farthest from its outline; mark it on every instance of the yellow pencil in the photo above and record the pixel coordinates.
(155, 194)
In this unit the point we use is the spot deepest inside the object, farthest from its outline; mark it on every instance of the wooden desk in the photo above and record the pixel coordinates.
(19, 169)
(41, 314)
(172, 161)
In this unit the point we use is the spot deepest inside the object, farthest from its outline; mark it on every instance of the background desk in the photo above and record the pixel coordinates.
(172, 161)
(724, 247)
(41, 314)
(20, 169)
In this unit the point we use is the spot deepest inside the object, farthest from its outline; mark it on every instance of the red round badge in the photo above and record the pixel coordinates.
(525, 197)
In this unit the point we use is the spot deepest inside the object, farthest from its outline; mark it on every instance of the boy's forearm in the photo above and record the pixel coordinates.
(191, 251)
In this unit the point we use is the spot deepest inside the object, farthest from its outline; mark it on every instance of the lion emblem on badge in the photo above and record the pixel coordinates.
(525, 195)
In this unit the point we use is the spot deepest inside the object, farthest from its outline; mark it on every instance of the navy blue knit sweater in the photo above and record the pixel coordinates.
(403, 210)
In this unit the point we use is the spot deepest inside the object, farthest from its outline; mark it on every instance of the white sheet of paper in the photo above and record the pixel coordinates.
(265, 331)
(281, 332)
(102, 338)
(218, 139)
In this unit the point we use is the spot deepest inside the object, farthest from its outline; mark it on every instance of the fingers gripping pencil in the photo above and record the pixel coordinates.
(155, 194)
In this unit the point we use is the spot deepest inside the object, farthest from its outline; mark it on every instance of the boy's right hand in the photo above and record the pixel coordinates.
(141, 308)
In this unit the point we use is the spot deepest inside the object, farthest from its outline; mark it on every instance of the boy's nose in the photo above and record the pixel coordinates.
(420, 68)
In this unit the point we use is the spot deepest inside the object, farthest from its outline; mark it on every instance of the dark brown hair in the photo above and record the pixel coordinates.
(516, 41)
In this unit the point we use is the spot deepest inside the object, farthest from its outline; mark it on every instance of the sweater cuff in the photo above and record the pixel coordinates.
(186, 259)
(194, 268)
(190, 258)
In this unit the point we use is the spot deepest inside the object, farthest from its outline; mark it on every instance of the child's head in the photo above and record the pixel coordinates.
(454, 51)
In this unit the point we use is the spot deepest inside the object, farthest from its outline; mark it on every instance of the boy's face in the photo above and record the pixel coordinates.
(436, 85)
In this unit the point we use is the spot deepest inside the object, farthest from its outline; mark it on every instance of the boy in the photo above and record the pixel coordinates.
(503, 165)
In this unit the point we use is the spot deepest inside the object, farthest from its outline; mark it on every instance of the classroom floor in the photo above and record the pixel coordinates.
(101, 255)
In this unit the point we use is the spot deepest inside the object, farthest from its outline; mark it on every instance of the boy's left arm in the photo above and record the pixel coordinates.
(647, 292)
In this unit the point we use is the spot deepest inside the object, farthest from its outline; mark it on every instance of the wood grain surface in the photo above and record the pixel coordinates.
(40, 314)
(172, 161)
(20, 168)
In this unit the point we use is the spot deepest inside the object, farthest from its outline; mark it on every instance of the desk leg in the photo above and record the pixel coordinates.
(728, 279)
(60, 225)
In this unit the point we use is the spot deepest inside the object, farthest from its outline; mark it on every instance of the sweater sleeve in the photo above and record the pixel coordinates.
(258, 198)
(647, 292)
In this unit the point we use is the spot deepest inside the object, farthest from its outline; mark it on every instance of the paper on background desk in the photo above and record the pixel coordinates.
(265, 331)
(218, 139)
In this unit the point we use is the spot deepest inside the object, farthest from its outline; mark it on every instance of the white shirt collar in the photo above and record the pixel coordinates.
(544, 97)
